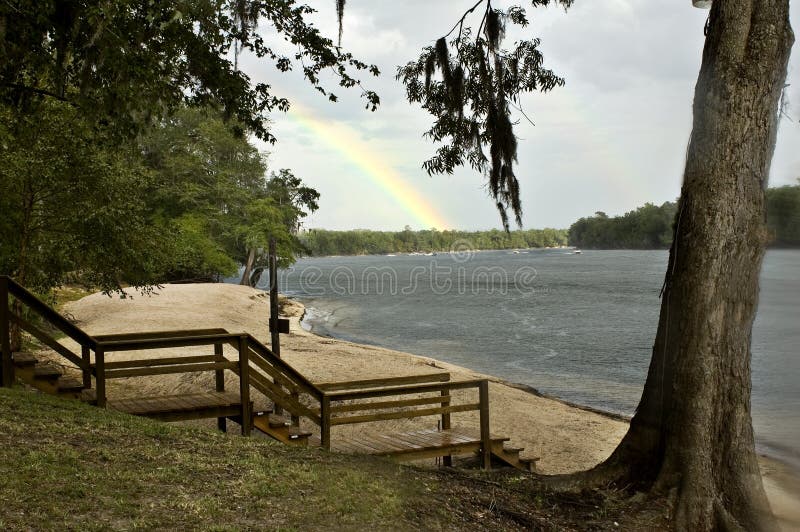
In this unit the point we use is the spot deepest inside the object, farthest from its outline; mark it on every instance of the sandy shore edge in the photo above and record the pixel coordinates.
(566, 437)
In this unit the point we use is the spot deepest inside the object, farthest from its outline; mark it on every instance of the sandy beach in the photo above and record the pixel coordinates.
(565, 438)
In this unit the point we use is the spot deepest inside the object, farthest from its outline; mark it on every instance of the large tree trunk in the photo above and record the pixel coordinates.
(692, 435)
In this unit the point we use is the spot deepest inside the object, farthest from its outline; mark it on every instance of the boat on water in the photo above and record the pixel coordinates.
(577, 252)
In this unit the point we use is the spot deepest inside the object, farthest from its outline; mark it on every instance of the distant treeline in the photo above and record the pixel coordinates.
(366, 242)
(650, 226)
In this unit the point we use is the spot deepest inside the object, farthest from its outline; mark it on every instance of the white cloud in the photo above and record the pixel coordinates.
(612, 139)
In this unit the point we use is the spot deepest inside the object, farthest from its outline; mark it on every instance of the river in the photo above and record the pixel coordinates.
(577, 326)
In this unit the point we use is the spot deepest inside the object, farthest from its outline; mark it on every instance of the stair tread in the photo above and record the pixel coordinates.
(69, 384)
(47, 371)
(527, 460)
(297, 432)
(89, 395)
(276, 421)
(513, 449)
(24, 359)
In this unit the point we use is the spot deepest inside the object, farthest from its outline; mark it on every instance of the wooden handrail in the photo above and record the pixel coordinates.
(9, 288)
(166, 370)
(300, 380)
(170, 361)
(249, 349)
(145, 344)
(49, 341)
(117, 337)
(382, 382)
(403, 390)
(50, 315)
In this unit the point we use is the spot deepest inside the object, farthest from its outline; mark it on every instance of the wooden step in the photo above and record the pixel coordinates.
(24, 360)
(69, 385)
(510, 456)
(530, 463)
(89, 396)
(276, 421)
(275, 427)
(24, 363)
(296, 433)
(47, 372)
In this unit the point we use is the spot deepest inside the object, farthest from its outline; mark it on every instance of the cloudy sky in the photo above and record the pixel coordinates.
(613, 138)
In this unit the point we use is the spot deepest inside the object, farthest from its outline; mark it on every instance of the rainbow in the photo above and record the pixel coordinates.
(342, 139)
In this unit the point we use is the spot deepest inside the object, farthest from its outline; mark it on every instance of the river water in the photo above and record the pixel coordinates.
(577, 326)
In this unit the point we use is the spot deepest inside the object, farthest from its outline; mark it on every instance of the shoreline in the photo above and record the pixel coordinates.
(511, 384)
(527, 388)
(566, 438)
(780, 476)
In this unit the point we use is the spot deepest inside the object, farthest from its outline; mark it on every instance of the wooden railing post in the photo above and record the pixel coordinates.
(100, 375)
(295, 394)
(219, 378)
(86, 370)
(325, 421)
(244, 384)
(448, 459)
(5, 336)
(486, 438)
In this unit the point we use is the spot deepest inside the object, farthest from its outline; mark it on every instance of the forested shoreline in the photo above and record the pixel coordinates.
(647, 227)
(650, 226)
(366, 242)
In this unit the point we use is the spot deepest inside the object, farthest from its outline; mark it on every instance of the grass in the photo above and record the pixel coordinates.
(66, 465)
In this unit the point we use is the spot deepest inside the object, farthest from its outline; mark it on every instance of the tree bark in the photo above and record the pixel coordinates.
(248, 268)
(692, 434)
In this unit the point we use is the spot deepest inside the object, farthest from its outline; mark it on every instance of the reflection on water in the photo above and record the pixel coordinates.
(580, 327)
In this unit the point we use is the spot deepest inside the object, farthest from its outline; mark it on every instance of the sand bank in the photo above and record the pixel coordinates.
(565, 438)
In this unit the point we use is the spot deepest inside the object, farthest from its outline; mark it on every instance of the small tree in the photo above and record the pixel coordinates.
(278, 215)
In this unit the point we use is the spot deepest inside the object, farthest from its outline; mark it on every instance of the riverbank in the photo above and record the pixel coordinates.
(565, 438)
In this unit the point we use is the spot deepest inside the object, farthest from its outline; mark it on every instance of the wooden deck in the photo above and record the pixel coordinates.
(181, 407)
(255, 365)
(416, 445)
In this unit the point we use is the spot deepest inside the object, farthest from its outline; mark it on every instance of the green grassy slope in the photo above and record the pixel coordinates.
(64, 464)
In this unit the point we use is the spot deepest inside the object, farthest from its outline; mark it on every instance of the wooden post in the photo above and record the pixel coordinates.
(86, 370)
(447, 460)
(5, 336)
(325, 419)
(486, 438)
(244, 384)
(274, 334)
(219, 377)
(296, 396)
(100, 375)
(275, 337)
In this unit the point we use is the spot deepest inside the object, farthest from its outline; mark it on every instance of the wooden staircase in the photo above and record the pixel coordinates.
(510, 456)
(293, 396)
(48, 377)
(280, 428)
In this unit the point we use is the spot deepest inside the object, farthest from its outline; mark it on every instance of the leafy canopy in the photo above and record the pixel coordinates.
(123, 63)
(470, 83)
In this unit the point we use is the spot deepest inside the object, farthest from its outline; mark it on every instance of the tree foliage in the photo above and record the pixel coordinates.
(648, 227)
(98, 181)
(783, 215)
(125, 63)
(210, 191)
(74, 205)
(470, 83)
(365, 242)
(651, 226)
